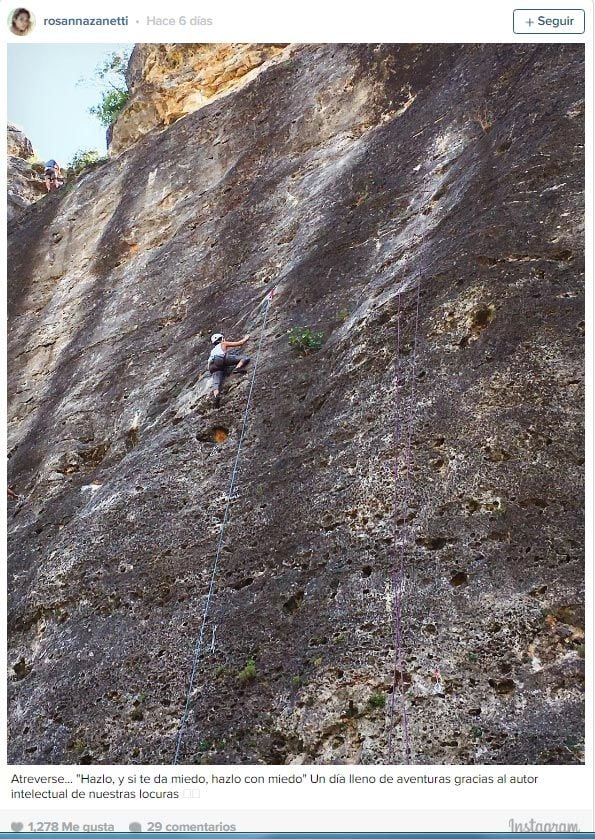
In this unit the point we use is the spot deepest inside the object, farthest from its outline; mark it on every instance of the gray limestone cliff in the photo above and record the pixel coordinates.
(421, 207)
(25, 183)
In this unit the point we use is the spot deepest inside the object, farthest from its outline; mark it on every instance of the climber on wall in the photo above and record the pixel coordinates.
(52, 172)
(221, 363)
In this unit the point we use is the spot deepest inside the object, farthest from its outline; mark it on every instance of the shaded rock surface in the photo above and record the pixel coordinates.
(346, 176)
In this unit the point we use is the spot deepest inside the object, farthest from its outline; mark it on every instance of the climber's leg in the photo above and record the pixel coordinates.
(243, 362)
(216, 383)
(238, 362)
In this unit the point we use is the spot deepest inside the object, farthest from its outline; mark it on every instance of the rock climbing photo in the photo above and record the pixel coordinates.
(296, 404)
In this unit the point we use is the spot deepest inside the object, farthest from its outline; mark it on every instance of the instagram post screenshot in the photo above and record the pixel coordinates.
(297, 394)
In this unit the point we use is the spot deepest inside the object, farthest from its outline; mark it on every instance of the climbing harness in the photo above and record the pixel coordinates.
(230, 493)
(398, 576)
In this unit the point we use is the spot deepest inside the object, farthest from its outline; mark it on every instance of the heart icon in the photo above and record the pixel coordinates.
(16, 826)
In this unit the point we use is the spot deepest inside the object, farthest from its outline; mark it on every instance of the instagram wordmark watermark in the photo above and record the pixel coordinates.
(534, 826)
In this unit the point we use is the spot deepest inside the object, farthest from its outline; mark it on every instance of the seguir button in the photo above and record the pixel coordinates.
(548, 21)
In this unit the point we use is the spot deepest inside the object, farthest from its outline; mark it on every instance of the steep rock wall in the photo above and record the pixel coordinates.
(17, 144)
(344, 175)
(25, 183)
(168, 81)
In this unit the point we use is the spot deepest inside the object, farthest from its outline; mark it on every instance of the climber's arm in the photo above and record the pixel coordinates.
(227, 344)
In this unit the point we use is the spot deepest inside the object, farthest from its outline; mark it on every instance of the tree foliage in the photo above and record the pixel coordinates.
(82, 159)
(110, 77)
(112, 102)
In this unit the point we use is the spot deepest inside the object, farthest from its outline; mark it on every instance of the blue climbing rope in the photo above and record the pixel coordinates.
(199, 642)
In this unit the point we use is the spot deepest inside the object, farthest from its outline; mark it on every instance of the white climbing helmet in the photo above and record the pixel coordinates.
(216, 337)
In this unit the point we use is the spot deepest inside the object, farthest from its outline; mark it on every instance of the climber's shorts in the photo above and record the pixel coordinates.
(223, 367)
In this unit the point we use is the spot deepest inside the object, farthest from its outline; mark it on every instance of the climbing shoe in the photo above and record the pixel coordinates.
(216, 401)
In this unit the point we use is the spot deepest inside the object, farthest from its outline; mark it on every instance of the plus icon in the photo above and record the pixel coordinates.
(529, 22)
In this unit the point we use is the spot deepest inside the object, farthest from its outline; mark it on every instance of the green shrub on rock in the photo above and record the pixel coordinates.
(82, 159)
(304, 340)
(249, 671)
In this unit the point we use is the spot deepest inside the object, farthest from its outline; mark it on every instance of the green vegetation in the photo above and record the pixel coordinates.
(472, 657)
(377, 700)
(249, 671)
(304, 340)
(112, 102)
(110, 76)
(82, 159)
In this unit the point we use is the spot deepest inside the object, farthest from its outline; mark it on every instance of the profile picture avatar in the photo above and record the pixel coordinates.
(21, 22)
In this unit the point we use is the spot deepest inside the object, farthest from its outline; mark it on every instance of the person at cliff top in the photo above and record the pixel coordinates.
(221, 362)
(52, 170)
(21, 22)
